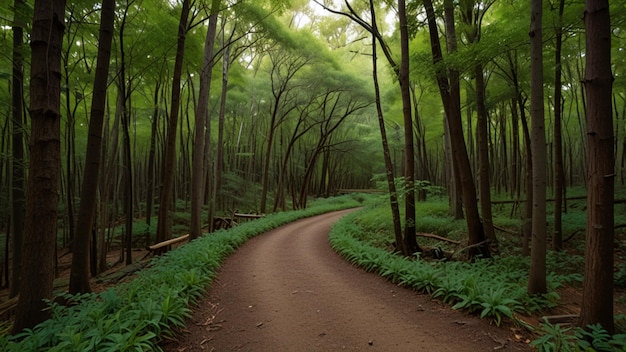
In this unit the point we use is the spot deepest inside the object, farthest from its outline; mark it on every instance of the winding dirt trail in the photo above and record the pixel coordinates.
(287, 290)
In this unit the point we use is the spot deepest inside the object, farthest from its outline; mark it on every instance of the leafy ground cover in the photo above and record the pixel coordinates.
(136, 315)
(495, 289)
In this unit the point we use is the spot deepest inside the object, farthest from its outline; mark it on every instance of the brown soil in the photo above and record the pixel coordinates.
(287, 290)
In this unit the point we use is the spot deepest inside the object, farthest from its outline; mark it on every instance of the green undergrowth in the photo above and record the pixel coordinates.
(492, 288)
(134, 316)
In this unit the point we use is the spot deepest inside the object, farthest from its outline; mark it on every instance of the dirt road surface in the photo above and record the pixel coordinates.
(287, 290)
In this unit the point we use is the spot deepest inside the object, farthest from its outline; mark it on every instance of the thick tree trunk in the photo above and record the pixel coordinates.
(597, 304)
(79, 276)
(164, 224)
(40, 226)
(537, 277)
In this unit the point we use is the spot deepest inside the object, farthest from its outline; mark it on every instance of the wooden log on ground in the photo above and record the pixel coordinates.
(167, 243)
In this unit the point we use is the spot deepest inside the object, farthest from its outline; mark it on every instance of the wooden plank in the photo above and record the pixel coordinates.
(168, 242)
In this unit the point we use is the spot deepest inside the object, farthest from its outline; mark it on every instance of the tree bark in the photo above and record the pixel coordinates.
(410, 238)
(393, 195)
(198, 166)
(537, 276)
(450, 95)
(597, 304)
(40, 226)
(164, 224)
(484, 183)
(79, 276)
(559, 173)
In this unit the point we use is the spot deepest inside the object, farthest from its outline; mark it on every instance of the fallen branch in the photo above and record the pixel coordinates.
(431, 235)
(561, 319)
(505, 230)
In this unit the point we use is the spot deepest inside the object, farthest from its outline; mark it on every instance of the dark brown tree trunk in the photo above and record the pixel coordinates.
(219, 162)
(17, 146)
(198, 163)
(151, 156)
(79, 276)
(484, 183)
(597, 304)
(42, 198)
(450, 96)
(559, 173)
(124, 92)
(410, 237)
(393, 194)
(537, 276)
(164, 224)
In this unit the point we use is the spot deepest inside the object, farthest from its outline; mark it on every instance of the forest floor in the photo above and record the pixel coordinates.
(288, 290)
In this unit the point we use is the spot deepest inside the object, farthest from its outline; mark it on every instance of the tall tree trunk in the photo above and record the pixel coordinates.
(454, 182)
(450, 95)
(164, 224)
(198, 163)
(79, 276)
(537, 277)
(151, 156)
(17, 146)
(124, 93)
(393, 194)
(597, 304)
(559, 173)
(219, 162)
(484, 183)
(410, 237)
(42, 198)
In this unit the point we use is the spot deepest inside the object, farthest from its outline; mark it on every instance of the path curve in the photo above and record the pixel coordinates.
(287, 290)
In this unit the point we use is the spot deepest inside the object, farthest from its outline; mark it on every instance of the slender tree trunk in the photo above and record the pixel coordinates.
(79, 276)
(559, 173)
(42, 198)
(410, 237)
(484, 183)
(450, 95)
(455, 193)
(17, 147)
(151, 156)
(124, 93)
(597, 304)
(219, 166)
(164, 224)
(393, 195)
(537, 277)
(197, 174)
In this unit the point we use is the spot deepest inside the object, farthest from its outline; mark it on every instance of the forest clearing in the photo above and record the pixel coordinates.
(488, 135)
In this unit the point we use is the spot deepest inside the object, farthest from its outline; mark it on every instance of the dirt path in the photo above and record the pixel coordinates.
(287, 290)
